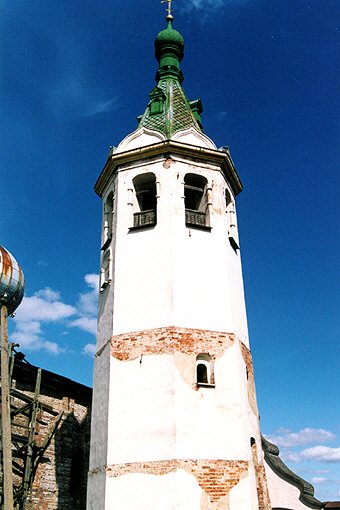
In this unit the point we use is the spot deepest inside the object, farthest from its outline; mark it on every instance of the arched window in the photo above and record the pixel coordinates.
(106, 270)
(107, 220)
(231, 221)
(196, 202)
(204, 370)
(145, 189)
(202, 373)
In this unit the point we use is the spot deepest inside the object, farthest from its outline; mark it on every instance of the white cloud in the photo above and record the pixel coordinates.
(289, 439)
(87, 311)
(318, 453)
(212, 5)
(87, 324)
(88, 301)
(103, 106)
(321, 453)
(48, 294)
(29, 336)
(87, 306)
(318, 480)
(92, 280)
(89, 349)
(46, 307)
(290, 457)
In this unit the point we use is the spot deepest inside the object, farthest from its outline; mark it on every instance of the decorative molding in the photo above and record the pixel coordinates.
(150, 136)
(166, 149)
(180, 136)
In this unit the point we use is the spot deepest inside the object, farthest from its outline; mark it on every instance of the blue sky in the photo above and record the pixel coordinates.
(75, 75)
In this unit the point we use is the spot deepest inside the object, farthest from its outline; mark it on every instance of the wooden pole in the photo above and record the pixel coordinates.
(6, 413)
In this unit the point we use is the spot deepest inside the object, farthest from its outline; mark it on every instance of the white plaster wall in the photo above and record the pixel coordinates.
(142, 410)
(244, 495)
(210, 421)
(170, 274)
(282, 494)
(173, 491)
(100, 409)
(155, 412)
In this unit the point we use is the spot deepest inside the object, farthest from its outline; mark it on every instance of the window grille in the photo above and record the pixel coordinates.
(195, 218)
(144, 218)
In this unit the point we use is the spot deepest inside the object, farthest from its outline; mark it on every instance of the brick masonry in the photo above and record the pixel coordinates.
(60, 479)
(215, 477)
(261, 481)
(129, 346)
(246, 354)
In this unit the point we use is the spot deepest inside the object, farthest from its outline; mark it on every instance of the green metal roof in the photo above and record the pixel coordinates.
(169, 109)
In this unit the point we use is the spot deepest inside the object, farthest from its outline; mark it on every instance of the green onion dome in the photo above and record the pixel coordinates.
(169, 43)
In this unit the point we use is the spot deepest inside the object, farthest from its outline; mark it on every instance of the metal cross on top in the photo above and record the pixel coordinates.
(169, 9)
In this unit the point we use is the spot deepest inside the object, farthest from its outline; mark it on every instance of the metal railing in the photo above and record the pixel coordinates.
(195, 218)
(144, 219)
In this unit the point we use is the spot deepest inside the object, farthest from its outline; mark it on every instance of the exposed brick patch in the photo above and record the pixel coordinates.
(262, 488)
(246, 354)
(130, 346)
(215, 477)
(261, 482)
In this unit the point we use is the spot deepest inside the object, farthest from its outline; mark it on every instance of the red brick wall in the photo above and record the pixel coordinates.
(261, 481)
(168, 340)
(250, 376)
(60, 480)
(215, 477)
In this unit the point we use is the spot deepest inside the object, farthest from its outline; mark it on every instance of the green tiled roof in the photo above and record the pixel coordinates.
(169, 109)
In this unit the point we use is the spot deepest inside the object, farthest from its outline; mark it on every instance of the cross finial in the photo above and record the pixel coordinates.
(168, 10)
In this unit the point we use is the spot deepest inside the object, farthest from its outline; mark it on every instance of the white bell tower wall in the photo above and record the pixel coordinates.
(173, 274)
(175, 417)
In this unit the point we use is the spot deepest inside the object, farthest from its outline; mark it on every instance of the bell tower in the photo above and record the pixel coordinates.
(175, 422)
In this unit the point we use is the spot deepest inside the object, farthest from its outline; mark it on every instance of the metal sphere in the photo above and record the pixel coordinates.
(12, 282)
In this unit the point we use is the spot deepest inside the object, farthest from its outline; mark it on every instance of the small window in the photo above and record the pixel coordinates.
(196, 202)
(231, 221)
(205, 370)
(145, 189)
(107, 221)
(106, 270)
(202, 373)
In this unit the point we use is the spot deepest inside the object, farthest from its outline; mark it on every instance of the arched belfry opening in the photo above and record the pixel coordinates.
(196, 201)
(146, 194)
(108, 220)
(231, 220)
